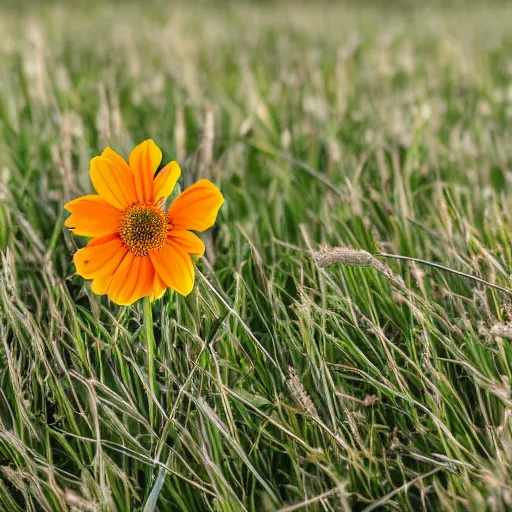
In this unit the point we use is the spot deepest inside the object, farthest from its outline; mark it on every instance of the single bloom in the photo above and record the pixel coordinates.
(137, 248)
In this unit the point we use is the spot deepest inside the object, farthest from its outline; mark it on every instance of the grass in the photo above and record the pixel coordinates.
(278, 384)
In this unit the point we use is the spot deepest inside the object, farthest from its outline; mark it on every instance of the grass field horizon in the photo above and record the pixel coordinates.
(298, 375)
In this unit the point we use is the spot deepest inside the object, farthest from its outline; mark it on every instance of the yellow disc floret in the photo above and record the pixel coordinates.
(143, 228)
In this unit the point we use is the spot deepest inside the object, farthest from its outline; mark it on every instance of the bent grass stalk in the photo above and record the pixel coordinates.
(508, 291)
(326, 257)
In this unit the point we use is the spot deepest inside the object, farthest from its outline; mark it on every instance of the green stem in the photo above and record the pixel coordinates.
(150, 339)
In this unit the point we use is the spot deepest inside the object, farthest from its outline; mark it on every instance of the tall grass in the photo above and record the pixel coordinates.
(280, 384)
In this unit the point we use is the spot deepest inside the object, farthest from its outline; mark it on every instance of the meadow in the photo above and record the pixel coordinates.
(299, 374)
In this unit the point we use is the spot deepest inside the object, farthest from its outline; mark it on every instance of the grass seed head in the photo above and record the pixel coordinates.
(299, 394)
(327, 256)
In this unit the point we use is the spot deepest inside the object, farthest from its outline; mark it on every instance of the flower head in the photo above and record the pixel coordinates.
(137, 248)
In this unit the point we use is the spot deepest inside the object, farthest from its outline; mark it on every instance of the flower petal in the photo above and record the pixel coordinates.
(113, 183)
(117, 159)
(175, 267)
(132, 280)
(102, 240)
(125, 279)
(196, 208)
(100, 257)
(144, 161)
(92, 216)
(188, 241)
(165, 181)
(159, 288)
(145, 279)
(100, 284)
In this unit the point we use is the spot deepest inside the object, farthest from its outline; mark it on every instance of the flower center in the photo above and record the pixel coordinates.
(143, 228)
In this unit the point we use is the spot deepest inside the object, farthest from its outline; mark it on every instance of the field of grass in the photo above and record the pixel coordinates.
(281, 384)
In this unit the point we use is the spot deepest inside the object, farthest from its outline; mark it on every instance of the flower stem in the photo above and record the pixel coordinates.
(508, 291)
(150, 340)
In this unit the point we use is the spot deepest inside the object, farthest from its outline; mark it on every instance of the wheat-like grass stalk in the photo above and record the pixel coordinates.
(299, 394)
(503, 330)
(325, 257)
(508, 291)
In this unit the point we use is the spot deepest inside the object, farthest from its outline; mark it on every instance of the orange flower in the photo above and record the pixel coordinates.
(137, 248)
